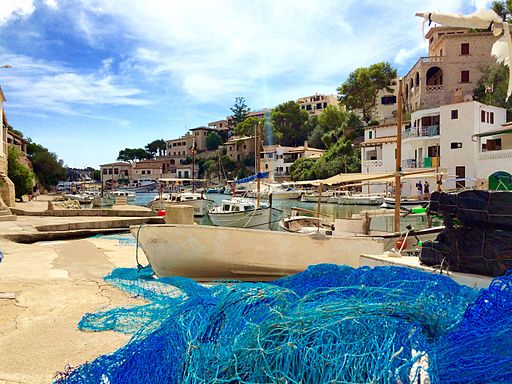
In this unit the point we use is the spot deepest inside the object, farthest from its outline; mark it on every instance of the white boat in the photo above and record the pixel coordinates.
(130, 195)
(302, 223)
(241, 213)
(209, 253)
(313, 197)
(389, 202)
(348, 198)
(141, 185)
(82, 198)
(194, 199)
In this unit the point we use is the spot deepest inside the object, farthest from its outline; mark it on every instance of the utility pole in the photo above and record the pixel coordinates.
(398, 165)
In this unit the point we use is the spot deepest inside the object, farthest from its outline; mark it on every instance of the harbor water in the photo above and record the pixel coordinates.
(381, 223)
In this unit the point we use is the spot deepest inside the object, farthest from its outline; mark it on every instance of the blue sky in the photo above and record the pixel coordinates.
(92, 77)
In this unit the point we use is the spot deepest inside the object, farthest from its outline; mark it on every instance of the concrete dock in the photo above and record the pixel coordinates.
(45, 289)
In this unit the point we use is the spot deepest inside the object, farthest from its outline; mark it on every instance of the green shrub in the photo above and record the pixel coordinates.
(20, 174)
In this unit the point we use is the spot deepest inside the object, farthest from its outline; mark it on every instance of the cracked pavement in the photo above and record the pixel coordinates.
(47, 287)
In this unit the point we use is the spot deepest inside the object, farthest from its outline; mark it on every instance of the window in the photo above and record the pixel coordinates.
(491, 117)
(482, 116)
(116, 171)
(245, 146)
(493, 145)
(455, 114)
(464, 49)
(388, 100)
(456, 145)
(464, 76)
(370, 134)
(104, 171)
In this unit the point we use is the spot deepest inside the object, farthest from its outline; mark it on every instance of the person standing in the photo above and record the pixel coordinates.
(426, 190)
(419, 188)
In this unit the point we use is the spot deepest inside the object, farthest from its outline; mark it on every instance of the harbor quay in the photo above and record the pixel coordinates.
(46, 288)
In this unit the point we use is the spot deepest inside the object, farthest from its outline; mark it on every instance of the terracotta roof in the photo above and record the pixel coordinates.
(386, 125)
(119, 163)
(378, 141)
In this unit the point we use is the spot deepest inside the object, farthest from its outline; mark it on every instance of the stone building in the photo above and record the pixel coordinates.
(7, 193)
(314, 105)
(451, 70)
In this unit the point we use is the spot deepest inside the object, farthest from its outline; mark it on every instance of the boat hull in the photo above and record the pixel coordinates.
(390, 203)
(206, 253)
(258, 219)
(201, 206)
(358, 200)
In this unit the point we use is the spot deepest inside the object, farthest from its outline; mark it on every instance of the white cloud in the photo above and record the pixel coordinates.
(481, 4)
(51, 3)
(15, 9)
(217, 48)
(52, 86)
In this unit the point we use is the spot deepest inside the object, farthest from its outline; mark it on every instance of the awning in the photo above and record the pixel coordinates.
(493, 133)
(259, 175)
(359, 177)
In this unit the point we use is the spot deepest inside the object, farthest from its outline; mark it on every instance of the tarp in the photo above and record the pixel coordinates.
(382, 177)
(259, 175)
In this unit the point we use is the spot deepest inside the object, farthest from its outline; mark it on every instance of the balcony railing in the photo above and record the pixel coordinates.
(372, 163)
(432, 59)
(427, 131)
(409, 163)
(434, 88)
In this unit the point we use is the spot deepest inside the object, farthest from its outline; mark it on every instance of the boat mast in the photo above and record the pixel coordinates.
(193, 163)
(398, 165)
(258, 132)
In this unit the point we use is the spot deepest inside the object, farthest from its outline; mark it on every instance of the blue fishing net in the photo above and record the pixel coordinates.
(327, 324)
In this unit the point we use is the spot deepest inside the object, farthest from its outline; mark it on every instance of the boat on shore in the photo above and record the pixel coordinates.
(248, 254)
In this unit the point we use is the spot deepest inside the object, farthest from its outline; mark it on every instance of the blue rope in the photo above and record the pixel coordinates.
(327, 324)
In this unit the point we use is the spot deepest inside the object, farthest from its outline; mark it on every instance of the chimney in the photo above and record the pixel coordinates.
(306, 144)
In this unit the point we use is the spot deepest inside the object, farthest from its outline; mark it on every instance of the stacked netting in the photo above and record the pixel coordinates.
(478, 232)
(327, 324)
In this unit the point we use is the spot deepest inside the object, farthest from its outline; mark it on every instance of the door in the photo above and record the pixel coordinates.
(460, 173)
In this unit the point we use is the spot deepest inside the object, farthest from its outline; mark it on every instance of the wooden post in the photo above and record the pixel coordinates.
(438, 181)
(258, 133)
(193, 164)
(320, 187)
(398, 165)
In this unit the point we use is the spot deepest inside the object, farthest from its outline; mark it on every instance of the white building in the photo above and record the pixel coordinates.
(277, 160)
(467, 140)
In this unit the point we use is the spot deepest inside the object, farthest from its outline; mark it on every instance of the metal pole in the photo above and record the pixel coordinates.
(193, 164)
(398, 165)
(438, 181)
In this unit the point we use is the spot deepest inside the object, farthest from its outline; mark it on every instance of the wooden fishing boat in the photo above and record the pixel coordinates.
(206, 252)
(197, 200)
